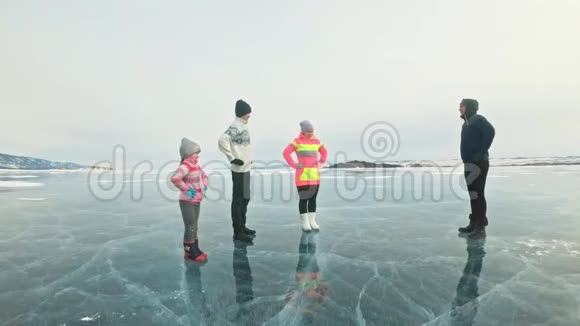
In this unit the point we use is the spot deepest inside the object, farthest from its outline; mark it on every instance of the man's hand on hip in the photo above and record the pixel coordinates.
(237, 162)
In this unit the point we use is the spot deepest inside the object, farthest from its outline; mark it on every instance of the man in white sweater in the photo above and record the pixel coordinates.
(236, 145)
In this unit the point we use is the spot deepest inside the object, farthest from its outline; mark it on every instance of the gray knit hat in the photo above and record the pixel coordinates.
(187, 148)
(306, 126)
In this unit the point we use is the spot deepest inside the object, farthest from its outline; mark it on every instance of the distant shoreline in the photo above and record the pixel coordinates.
(370, 165)
(13, 162)
(56, 169)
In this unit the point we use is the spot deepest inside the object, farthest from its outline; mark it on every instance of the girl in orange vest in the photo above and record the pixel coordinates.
(307, 148)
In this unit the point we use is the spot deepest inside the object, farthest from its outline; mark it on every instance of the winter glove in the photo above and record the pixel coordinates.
(299, 166)
(191, 193)
(237, 162)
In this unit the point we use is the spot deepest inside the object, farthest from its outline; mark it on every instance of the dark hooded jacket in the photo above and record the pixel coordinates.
(476, 134)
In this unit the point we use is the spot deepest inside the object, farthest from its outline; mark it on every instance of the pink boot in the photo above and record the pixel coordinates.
(193, 253)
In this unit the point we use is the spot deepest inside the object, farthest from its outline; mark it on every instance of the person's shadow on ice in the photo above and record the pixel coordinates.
(243, 279)
(309, 294)
(465, 305)
(199, 308)
(304, 301)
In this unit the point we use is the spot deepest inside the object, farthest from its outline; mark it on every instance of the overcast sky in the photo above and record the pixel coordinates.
(78, 77)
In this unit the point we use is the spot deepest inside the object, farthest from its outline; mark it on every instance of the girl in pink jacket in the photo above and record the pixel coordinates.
(192, 182)
(307, 148)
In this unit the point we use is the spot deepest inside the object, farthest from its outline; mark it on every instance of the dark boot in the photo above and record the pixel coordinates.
(477, 234)
(470, 227)
(245, 229)
(243, 237)
(249, 232)
(479, 231)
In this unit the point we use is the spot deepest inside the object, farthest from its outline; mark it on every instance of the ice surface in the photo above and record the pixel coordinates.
(73, 259)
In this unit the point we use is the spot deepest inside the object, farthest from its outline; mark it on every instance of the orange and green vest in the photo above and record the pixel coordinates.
(307, 151)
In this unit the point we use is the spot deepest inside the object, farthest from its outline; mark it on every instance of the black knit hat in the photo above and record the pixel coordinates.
(242, 108)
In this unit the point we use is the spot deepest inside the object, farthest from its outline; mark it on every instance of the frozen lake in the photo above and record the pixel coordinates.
(384, 257)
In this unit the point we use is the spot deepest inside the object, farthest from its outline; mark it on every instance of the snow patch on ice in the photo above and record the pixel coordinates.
(542, 248)
(19, 176)
(20, 184)
(92, 318)
(31, 199)
(128, 181)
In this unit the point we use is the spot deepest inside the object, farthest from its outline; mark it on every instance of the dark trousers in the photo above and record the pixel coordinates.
(240, 199)
(475, 178)
(307, 196)
(190, 214)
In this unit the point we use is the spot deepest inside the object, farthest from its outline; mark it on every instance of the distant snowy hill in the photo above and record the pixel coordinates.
(28, 163)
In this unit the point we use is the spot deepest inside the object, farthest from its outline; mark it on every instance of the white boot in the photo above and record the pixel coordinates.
(312, 221)
(305, 225)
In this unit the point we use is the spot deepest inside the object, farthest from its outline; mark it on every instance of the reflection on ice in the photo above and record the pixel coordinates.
(302, 303)
(243, 279)
(465, 305)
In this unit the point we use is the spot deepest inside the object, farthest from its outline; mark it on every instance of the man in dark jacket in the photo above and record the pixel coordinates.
(476, 137)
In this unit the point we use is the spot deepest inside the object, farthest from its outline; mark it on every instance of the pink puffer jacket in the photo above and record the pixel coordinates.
(190, 175)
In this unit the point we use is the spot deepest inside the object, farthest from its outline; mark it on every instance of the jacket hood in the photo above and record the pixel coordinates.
(471, 107)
